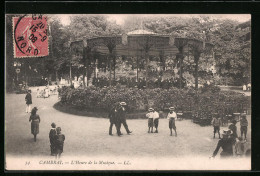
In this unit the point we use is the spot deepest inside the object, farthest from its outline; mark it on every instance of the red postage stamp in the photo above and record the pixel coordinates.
(30, 34)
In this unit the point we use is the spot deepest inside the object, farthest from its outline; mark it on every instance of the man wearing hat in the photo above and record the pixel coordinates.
(121, 115)
(28, 99)
(172, 118)
(149, 115)
(113, 118)
(243, 125)
(226, 143)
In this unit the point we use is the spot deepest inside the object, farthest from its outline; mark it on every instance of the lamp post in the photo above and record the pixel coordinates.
(17, 66)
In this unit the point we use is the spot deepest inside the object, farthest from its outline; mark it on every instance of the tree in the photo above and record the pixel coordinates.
(91, 26)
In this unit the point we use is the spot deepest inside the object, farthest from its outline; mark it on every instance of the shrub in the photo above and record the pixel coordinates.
(139, 100)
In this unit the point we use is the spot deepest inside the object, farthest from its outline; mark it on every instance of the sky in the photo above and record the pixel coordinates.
(119, 18)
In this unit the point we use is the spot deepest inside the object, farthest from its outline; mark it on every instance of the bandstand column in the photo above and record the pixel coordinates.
(180, 43)
(86, 59)
(199, 47)
(146, 67)
(196, 59)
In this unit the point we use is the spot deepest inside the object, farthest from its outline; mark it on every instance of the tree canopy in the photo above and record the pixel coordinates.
(231, 39)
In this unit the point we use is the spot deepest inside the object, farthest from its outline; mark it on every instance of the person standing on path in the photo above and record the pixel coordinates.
(59, 139)
(172, 118)
(149, 115)
(216, 122)
(233, 129)
(121, 115)
(113, 120)
(52, 134)
(156, 117)
(35, 118)
(243, 125)
(28, 100)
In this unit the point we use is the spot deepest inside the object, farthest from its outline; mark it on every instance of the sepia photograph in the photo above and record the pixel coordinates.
(127, 92)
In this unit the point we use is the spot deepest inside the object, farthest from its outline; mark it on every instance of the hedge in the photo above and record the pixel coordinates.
(209, 99)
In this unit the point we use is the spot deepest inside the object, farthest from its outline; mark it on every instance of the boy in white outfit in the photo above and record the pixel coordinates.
(156, 120)
(149, 115)
(172, 118)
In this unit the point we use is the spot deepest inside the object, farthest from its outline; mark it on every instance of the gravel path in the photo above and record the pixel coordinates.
(88, 136)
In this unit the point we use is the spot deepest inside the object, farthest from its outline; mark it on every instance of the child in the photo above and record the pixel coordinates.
(156, 120)
(172, 118)
(243, 125)
(52, 136)
(59, 142)
(216, 122)
(149, 115)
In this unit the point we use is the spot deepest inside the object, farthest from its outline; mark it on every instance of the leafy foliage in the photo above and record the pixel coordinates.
(207, 101)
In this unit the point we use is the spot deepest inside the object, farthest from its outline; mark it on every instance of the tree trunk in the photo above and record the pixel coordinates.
(87, 74)
(196, 57)
(110, 71)
(180, 57)
(70, 75)
(114, 65)
(146, 68)
(84, 69)
(84, 75)
(137, 64)
(56, 75)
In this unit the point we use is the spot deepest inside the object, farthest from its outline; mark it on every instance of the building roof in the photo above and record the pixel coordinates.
(140, 31)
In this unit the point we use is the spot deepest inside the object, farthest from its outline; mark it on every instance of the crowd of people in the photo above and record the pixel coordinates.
(230, 142)
(46, 92)
(56, 137)
(140, 83)
(247, 87)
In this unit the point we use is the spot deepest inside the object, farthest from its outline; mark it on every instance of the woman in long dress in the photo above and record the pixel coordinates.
(35, 118)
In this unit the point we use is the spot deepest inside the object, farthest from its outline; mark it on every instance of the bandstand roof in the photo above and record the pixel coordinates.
(140, 32)
(133, 44)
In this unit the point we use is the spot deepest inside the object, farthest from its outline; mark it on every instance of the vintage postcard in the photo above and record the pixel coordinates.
(127, 92)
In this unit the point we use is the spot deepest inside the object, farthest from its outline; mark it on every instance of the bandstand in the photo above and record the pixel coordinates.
(140, 44)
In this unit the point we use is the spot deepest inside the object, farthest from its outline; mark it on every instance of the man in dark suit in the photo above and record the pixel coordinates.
(121, 118)
(28, 99)
(113, 118)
